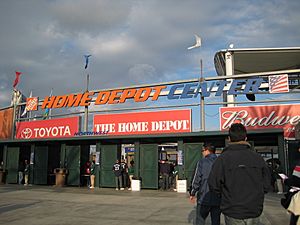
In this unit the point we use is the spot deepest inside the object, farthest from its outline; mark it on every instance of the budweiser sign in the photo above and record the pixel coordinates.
(262, 117)
(41, 129)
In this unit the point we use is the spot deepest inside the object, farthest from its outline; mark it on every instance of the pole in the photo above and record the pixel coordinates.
(86, 108)
(229, 61)
(202, 99)
(15, 96)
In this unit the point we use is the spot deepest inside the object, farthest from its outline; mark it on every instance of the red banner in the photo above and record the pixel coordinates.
(262, 117)
(53, 128)
(160, 122)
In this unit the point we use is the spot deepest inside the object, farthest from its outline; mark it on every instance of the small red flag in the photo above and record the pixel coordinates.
(17, 79)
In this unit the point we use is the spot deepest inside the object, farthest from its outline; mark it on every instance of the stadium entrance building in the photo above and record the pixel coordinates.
(147, 134)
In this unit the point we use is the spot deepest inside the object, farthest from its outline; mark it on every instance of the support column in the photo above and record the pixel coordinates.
(31, 164)
(181, 167)
(137, 159)
(229, 61)
(97, 178)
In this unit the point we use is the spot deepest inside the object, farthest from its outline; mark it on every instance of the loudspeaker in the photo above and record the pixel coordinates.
(297, 131)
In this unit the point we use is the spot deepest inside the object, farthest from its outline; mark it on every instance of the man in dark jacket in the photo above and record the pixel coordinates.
(164, 171)
(242, 178)
(207, 201)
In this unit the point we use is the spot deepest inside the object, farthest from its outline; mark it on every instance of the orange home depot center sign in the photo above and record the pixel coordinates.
(262, 117)
(160, 122)
(43, 129)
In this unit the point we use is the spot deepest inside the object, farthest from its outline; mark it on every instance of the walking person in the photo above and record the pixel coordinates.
(207, 202)
(242, 178)
(26, 172)
(117, 169)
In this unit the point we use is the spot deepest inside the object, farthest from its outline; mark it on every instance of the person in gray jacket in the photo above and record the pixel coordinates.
(207, 202)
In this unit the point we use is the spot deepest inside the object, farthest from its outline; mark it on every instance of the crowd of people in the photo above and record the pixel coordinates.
(235, 183)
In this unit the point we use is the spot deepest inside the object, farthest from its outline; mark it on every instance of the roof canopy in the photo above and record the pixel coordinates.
(259, 60)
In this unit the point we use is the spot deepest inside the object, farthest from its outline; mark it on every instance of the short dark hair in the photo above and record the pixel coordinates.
(209, 147)
(237, 132)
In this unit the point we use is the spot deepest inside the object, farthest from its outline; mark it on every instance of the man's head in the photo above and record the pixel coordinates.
(207, 149)
(237, 132)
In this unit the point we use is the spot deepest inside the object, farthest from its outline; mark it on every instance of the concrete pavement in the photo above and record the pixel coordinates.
(44, 205)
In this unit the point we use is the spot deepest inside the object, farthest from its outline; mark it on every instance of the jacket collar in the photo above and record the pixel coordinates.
(240, 143)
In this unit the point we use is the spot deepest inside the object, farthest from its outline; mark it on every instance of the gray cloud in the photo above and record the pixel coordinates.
(131, 42)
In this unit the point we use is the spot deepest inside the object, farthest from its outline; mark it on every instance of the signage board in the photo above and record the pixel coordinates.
(262, 117)
(159, 122)
(43, 129)
(142, 94)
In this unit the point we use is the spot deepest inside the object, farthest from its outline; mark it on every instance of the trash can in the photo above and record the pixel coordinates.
(60, 176)
(135, 185)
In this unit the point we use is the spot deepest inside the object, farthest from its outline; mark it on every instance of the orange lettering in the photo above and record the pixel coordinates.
(73, 100)
(114, 95)
(157, 91)
(128, 93)
(59, 101)
(86, 101)
(48, 102)
(140, 92)
(102, 98)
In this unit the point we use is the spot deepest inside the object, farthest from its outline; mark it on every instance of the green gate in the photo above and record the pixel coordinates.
(149, 165)
(40, 172)
(72, 159)
(192, 153)
(108, 156)
(12, 164)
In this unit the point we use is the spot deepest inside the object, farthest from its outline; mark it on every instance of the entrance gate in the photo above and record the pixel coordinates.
(73, 164)
(40, 172)
(108, 156)
(149, 165)
(192, 153)
(12, 164)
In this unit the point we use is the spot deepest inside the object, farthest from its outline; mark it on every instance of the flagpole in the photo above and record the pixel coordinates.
(86, 108)
(14, 113)
(202, 99)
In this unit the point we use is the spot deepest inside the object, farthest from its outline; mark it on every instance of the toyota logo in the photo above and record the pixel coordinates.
(26, 133)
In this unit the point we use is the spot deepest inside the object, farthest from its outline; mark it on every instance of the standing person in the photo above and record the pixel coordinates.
(93, 173)
(118, 175)
(164, 170)
(207, 201)
(124, 174)
(87, 173)
(242, 178)
(131, 173)
(26, 172)
(293, 182)
(21, 172)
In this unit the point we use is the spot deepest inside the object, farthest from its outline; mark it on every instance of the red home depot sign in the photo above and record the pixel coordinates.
(173, 121)
(262, 117)
(53, 128)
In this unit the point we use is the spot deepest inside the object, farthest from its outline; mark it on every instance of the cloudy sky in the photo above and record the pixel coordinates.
(132, 42)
